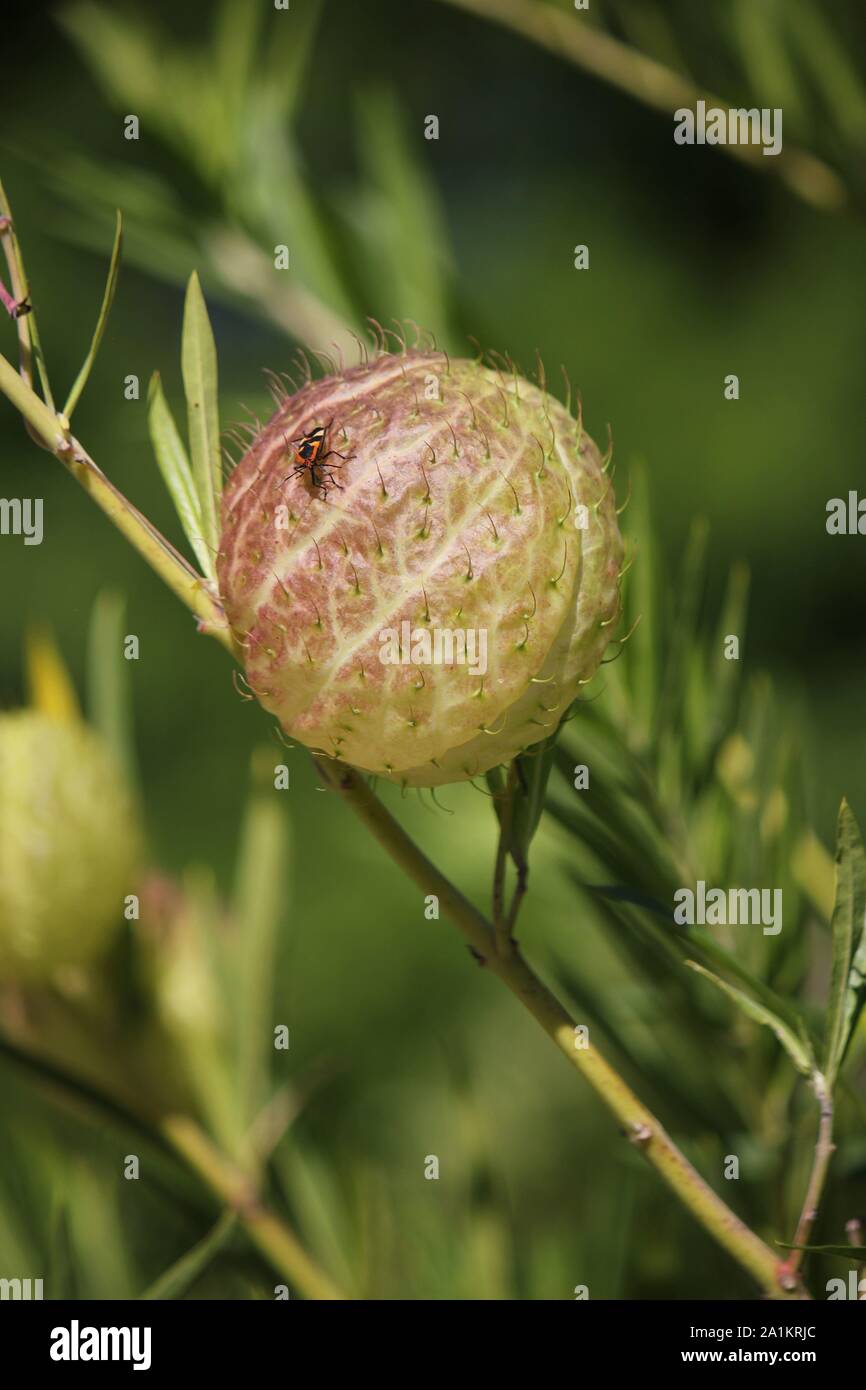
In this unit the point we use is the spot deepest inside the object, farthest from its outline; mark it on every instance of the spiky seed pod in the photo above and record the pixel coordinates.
(68, 845)
(470, 508)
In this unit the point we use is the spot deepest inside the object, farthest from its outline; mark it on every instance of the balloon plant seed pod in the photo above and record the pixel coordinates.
(420, 560)
(69, 843)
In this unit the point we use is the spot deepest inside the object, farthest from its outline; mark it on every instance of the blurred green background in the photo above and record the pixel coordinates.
(700, 266)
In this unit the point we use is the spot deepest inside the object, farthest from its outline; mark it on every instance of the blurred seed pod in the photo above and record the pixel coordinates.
(69, 845)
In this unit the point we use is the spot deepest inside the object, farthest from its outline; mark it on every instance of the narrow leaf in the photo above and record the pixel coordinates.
(533, 775)
(171, 456)
(401, 219)
(795, 1047)
(179, 1277)
(107, 299)
(848, 930)
(199, 367)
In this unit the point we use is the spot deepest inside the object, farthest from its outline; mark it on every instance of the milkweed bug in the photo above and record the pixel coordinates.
(309, 452)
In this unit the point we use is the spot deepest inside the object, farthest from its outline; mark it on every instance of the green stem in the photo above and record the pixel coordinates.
(276, 1242)
(824, 1148)
(641, 1126)
(29, 346)
(185, 582)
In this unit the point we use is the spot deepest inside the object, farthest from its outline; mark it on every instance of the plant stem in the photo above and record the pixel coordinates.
(274, 1239)
(824, 1149)
(185, 582)
(227, 1183)
(29, 346)
(641, 1126)
(649, 81)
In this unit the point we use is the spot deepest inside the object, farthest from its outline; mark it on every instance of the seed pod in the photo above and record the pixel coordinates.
(426, 606)
(68, 845)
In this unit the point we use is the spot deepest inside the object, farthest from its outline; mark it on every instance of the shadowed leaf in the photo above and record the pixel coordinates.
(179, 1278)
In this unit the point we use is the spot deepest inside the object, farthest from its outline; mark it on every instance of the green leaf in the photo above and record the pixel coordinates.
(400, 218)
(109, 697)
(796, 1048)
(825, 55)
(179, 1277)
(107, 299)
(314, 1194)
(171, 456)
(533, 775)
(757, 31)
(199, 367)
(848, 929)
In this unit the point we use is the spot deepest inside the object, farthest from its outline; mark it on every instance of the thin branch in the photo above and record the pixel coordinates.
(641, 1126)
(824, 1149)
(645, 79)
(29, 345)
(275, 1240)
(185, 582)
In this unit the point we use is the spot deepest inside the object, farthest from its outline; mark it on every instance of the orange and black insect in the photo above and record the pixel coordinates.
(309, 452)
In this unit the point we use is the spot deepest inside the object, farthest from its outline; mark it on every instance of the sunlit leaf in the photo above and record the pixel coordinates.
(171, 457)
(848, 928)
(199, 366)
